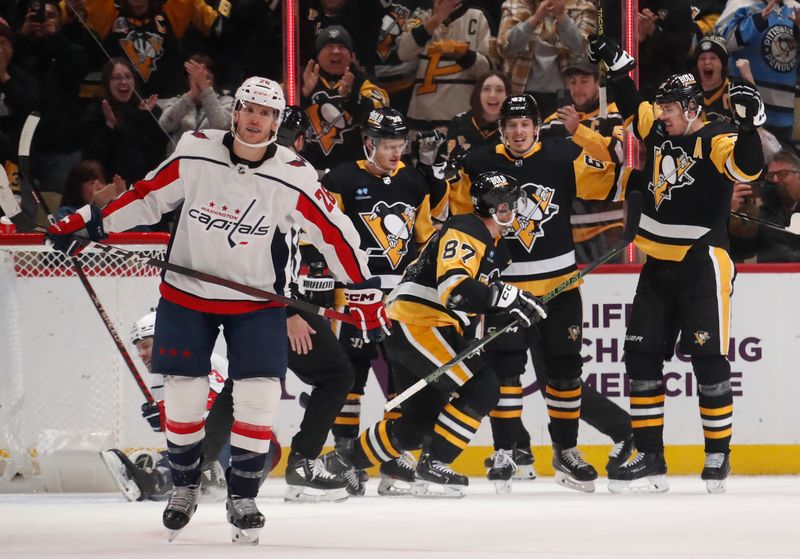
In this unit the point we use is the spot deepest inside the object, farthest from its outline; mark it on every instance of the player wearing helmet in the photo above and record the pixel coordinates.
(686, 284)
(238, 195)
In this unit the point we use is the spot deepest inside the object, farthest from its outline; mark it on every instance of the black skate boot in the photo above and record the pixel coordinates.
(646, 473)
(501, 470)
(524, 459)
(716, 471)
(180, 508)
(308, 481)
(620, 453)
(124, 473)
(397, 476)
(245, 519)
(572, 470)
(437, 479)
(340, 463)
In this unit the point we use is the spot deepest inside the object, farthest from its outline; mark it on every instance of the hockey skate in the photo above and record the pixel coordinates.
(716, 471)
(437, 479)
(123, 472)
(340, 463)
(524, 459)
(646, 473)
(309, 482)
(397, 476)
(245, 519)
(501, 470)
(180, 508)
(620, 453)
(572, 471)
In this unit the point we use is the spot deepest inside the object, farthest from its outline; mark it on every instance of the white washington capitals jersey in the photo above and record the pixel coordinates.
(235, 220)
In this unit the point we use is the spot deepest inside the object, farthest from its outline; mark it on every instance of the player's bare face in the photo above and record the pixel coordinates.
(254, 123)
(334, 59)
(709, 68)
(145, 349)
(519, 135)
(493, 93)
(584, 89)
(388, 153)
(673, 118)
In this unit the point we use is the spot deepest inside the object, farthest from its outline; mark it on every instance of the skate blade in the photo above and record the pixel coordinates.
(119, 474)
(426, 489)
(572, 483)
(716, 486)
(502, 486)
(391, 487)
(650, 484)
(172, 534)
(524, 473)
(303, 494)
(245, 537)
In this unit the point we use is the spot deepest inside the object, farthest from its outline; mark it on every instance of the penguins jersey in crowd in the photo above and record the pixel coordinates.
(687, 183)
(388, 66)
(391, 214)
(235, 220)
(447, 283)
(714, 103)
(552, 174)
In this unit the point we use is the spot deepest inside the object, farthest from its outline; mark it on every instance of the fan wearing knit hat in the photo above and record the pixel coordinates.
(711, 62)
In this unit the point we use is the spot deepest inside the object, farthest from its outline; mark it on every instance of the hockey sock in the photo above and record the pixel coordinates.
(506, 417)
(716, 414)
(563, 400)
(245, 471)
(453, 431)
(647, 414)
(184, 462)
(346, 424)
(375, 446)
(185, 402)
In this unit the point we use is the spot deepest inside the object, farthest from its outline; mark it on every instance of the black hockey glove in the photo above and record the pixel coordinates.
(603, 49)
(523, 306)
(152, 414)
(747, 108)
(62, 233)
(317, 286)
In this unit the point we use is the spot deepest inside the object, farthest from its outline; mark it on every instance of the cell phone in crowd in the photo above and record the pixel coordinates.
(563, 98)
(40, 15)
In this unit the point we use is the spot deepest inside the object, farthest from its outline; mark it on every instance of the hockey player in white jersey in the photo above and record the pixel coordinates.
(238, 195)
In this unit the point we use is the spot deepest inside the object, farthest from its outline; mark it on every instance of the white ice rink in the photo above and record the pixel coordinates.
(759, 517)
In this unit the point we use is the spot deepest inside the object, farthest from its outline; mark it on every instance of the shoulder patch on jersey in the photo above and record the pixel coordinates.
(299, 162)
(199, 134)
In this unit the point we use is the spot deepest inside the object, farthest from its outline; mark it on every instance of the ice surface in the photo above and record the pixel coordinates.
(759, 517)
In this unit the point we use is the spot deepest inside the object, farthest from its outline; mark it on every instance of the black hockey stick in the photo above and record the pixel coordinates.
(601, 67)
(793, 229)
(633, 212)
(27, 186)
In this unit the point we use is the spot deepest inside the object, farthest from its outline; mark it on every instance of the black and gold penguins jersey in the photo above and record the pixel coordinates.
(686, 185)
(447, 283)
(714, 103)
(552, 173)
(391, 214)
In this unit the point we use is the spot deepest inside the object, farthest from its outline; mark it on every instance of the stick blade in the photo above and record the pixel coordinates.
(633, 213)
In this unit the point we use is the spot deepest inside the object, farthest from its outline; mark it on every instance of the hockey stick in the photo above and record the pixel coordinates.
(793, 229)
(26, 185)
(601, 67)
(632, 214)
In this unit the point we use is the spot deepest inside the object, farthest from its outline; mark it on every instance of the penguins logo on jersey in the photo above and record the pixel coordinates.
(143, 49)
(391, 27)
(328, 121)
(391, 227)
(539, 208)
(671, 167)
(701, 337)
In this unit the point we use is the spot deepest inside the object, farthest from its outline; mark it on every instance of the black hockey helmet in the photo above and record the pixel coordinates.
(385, 123)
(684, 89)
(295, 123)
(520, 106)
(492, 189)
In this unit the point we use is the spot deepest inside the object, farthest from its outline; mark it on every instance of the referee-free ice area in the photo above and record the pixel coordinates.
(758, 517)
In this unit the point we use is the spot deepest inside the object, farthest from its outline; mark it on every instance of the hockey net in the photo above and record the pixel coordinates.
(64, 388)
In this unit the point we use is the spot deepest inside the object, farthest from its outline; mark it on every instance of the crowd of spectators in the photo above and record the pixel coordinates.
(116, 83)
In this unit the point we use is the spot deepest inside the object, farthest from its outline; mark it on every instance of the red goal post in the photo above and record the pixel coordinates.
(64, 387)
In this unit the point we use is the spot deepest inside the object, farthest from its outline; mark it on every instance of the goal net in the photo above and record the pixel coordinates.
(64, 388)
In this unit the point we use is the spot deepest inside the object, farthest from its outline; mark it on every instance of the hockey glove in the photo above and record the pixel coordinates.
(747, 109)
(152, 413)
(523, 306)
(316, 287)
(602, 49)
(62, 233)
(365, 301)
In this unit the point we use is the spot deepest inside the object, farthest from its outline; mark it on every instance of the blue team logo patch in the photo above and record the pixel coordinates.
(779, 49)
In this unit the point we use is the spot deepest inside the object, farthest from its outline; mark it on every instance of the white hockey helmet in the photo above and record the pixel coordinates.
(143, 328)
(259, 91)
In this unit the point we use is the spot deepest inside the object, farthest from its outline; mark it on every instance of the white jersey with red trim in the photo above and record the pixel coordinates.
(235, 221)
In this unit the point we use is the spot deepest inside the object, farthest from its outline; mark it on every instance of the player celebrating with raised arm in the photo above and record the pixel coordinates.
(239, 194)
(686, 284)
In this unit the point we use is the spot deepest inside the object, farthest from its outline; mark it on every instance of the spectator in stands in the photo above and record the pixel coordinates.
(57, 66)
(361, 18)
(705, 14)
(19, 93)
(765, 34)
(779, 199)
(202, 106)
(119, 130)
(711, 69)
(86, 184)
(450, 42)
(537, 38)
(336, 96)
